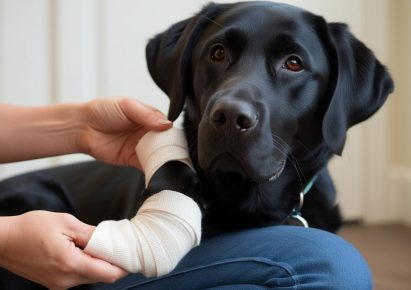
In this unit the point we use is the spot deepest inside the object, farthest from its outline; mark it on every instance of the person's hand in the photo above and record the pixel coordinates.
(115, 125)
(45, 247)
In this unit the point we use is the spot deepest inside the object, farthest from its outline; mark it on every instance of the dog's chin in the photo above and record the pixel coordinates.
(229, 165)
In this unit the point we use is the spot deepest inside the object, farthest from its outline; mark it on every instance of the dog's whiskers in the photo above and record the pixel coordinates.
(307, 150)
(285, 149)
(191, 135)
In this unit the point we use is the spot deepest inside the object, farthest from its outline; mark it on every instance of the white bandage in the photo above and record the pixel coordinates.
(165, 228)
(167, 225)
(156, 148)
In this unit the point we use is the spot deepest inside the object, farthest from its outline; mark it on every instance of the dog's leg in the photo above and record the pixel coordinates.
(167, 225)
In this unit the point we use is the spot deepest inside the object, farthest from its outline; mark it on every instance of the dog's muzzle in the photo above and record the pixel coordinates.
(235, 136)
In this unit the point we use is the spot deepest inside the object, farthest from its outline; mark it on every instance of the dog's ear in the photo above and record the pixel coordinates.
(169, 53)
(360, 85)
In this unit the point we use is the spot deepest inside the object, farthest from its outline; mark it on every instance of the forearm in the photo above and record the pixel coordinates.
(36, 132)
(4, 233)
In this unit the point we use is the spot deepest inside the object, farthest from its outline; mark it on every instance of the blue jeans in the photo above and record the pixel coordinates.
(278, 257)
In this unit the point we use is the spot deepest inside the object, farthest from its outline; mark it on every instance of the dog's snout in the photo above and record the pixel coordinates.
(234, 115)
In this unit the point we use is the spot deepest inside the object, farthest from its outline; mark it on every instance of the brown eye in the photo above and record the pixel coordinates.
(217, 53)
(293, 63)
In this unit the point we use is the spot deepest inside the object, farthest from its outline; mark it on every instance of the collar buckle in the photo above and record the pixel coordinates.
(296, 212)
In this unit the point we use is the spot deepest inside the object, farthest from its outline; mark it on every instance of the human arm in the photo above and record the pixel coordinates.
(45, 247)
(106, 128)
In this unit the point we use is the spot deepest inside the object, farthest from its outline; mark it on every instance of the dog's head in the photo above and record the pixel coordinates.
(266, 85)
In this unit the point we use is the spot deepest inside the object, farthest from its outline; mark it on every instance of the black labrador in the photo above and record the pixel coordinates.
(268, 90)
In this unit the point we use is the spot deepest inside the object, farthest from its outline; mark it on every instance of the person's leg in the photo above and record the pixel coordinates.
(283, 257)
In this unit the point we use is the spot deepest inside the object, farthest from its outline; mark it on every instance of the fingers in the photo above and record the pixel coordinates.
(96, 270)
(82, 232)
(149, 117)
(90, 268)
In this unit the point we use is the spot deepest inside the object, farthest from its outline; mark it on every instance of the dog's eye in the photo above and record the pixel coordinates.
(293, 63)
(217, 53)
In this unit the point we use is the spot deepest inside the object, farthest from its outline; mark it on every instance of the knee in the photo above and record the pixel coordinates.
(333, 263)
(303, 258)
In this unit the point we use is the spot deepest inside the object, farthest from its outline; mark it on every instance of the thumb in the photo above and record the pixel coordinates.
(92, 268)
(82, 233)
(147, 116)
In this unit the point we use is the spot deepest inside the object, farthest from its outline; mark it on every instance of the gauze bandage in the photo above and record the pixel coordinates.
(165, 228)
(157, 148)
(167, 225)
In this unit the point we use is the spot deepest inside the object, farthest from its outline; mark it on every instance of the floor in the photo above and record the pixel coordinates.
(387, 249)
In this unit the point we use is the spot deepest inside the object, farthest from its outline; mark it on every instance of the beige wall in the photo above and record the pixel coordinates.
(400, 66)
(398, 196)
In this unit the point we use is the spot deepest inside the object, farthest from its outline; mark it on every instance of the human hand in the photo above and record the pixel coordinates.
(114, 126)
(45, 247)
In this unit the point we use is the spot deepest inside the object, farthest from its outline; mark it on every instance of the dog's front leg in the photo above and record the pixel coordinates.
(168, 224)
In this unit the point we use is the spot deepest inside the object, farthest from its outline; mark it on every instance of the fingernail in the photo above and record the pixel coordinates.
(163, 122)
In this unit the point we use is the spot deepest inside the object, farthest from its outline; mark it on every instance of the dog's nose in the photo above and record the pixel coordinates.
(232, 114)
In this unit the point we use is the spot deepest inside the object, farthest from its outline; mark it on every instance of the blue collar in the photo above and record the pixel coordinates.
(296, 212)
(310, 184)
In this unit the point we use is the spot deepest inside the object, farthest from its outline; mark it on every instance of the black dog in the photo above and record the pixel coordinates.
(269, 92)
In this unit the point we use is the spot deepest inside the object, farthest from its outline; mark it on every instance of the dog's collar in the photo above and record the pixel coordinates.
(296, 212)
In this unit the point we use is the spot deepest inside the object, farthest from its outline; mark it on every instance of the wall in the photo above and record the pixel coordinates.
(25, 66)
(400, 109)
(399, 126)
(74, 50)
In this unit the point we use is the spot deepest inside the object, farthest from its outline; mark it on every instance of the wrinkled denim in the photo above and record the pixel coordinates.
(277, 257)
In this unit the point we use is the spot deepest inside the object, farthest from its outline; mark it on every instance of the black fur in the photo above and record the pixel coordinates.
(247, 114)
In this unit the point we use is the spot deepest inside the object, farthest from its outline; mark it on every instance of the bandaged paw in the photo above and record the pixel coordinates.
(157, 148)
(167, 225)
(165, 228)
